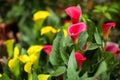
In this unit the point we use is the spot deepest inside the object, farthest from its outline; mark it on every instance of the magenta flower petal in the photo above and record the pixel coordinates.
(106, 28)
(75, 29)
(74, 13)
(79, 58)
(112, 47)
(47, 49)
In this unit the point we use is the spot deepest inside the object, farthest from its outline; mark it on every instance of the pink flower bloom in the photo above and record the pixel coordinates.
(112, 47)
(79, 58)
(75, 29)
(47, 49)
(74, 13)
(106, 29)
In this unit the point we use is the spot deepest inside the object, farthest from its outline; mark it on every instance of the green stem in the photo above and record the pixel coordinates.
(29, 76)
(105, 43)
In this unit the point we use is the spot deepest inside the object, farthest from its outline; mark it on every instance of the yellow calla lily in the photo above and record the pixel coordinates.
(48, 29)
(28, 60)
(9, 41)
(33, 58)
(27, 67)
(16, 52)
(34, 49)
(43, 76)
(24, 58)
(9, 46)
(15, 57)
(40, 15)
(10, 63)
(0, 75)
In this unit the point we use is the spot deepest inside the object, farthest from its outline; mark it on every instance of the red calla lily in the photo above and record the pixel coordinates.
(74, 13)
(112, 47)
(79, 58)
(47, 49)
(75, 29)
(106, 29)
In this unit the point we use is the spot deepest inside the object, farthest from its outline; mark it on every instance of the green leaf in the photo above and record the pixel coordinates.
(92, 46)
(90, 78)
(109, 57)
(114, 10)
(65, 44)
(72, 74)
(4, 77)
(97, 37)
(55, 57)
(90, 29)
(60, 70)
(102, 68)
(108, 15)
(85, 75)
(67, 41)
(82, 39)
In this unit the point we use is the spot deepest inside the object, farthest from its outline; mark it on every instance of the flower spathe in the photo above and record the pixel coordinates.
(47, 49)
(79, 58)
(15, 57)
(112, 47)
(106, 29)
(40, 15)
(43, 76)
(34, 49)
(75, 29)
(0, 75)
(32, 57)
(48, 29)
(74, 13)
(9, 45)
(14, 63)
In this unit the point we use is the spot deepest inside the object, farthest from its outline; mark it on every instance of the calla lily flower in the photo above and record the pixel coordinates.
(34, 49)
(43, 76)
(48, 29)
(112, 47)
(9, 45)
(75, 29)
(106, 29)
(79, 58)
(14, 63)
(31, 58)
(15, 57)
(0, 75)
(39, 18)
(47, 49)
(40, 15)
(74, 13)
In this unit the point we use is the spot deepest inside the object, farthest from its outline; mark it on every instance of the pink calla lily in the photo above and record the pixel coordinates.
(74, 13)
(112, 47)
(47, 49)
(106, 29)
(75, 29)
(79, 58)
